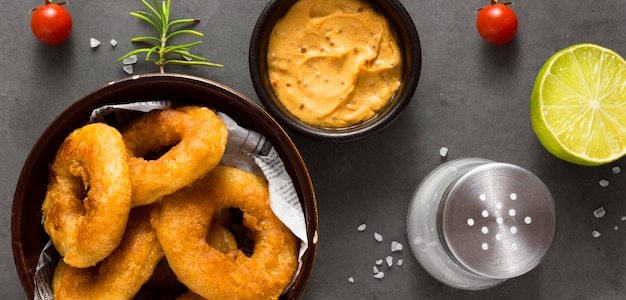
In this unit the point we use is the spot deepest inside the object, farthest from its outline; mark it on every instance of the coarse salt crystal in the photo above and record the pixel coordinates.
(389, 260)
(113, 42)
(443, 151)
(379, 275)
(395, 246)
(94, 43)
(599, 213)
(378, 237)
(379, 262)
(623, 218)
(400, 261)
(128, 69)
(130, 60)
(616, 227)
(351, 279)
(361, 227)
(375, 269)
(596, 234)
(603, 182)
(616, 170)
(187, 58)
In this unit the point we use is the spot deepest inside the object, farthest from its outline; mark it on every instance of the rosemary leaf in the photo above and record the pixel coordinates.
(158, 13)
(186, 53)
(183, 47)
(184, 31)
(143, 17)
(136, 51)
(165, 9)
(150, 51)
(147, 15)
(186, 62)
(183, 22)
(146, 39)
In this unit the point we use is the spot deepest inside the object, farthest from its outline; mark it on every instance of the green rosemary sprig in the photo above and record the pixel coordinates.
(159, 17)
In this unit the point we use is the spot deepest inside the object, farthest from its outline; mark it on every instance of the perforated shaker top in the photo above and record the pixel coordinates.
(498, 220)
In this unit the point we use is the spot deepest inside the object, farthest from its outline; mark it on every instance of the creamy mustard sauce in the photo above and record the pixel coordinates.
(333, 63)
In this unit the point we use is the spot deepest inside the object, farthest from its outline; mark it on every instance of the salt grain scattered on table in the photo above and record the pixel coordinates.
(603, 182)
(130, 60)
(94, 43)
(596, 234)
(187, 58)
(443, 151)
(623, 218)
(388, 260)
(128, 69)
(616, 170)
(113, 42)
(599, 213)
(395, 246)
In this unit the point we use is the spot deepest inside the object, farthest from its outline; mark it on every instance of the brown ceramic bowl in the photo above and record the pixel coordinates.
(28, 236)
(409, 41)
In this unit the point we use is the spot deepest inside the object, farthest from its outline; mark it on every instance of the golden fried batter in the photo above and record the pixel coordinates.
(197, 137)
(183, 220)
(89, 195)
(119, 276)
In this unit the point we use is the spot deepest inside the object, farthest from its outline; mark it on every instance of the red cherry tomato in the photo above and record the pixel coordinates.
(51, 23)
(497, 23)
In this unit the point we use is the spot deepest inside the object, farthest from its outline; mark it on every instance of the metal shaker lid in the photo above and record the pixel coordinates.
(497, 220)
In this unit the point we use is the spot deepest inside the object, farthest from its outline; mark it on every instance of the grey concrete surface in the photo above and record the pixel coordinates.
(472, 98)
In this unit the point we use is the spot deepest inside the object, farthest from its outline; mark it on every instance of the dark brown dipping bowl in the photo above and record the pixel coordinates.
(28, 236)
(409, 41)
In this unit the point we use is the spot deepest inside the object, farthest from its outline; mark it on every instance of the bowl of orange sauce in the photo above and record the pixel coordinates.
(335, 71)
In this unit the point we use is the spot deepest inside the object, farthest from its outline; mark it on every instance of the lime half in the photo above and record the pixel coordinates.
(578, 105)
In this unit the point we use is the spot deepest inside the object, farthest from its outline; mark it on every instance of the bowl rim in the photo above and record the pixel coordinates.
(60, 127)
(411, 49)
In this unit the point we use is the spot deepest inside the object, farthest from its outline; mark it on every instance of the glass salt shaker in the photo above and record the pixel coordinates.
(474, 223)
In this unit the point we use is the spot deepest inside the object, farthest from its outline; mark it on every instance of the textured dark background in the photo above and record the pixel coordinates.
(472, 98)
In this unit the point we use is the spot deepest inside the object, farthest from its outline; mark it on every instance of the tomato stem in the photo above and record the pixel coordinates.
(51, 2)
(494, 2)
(505, 3)
(46, 2)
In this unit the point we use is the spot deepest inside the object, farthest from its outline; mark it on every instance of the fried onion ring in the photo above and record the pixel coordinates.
(220, 238)
(197, 137)
(89, 195)
(183, 220)
(119, 276)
